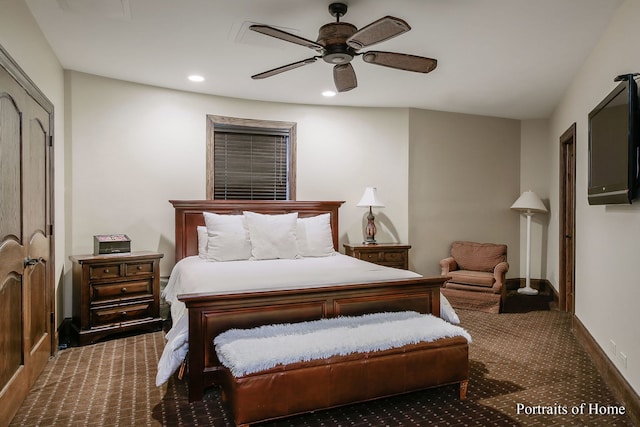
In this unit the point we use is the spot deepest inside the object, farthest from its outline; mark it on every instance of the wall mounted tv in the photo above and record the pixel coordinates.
(614, 148)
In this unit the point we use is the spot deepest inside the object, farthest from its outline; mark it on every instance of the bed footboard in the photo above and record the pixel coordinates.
(211, 314)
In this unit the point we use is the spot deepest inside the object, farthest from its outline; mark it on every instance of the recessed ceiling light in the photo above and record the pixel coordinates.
(328, 93)
(196, 78)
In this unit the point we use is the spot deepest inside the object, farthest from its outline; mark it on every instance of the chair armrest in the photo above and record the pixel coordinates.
(499, 273)
(447, 265)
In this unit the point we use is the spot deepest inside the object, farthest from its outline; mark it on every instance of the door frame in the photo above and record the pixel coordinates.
(567, 220)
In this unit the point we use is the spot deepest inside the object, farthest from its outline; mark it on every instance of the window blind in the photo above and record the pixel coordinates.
(250, 164)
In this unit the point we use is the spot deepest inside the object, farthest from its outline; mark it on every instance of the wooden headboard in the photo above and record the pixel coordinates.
(189, 216)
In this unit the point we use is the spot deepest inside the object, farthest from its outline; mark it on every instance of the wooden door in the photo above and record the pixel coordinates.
(26, 261)
(567, 202)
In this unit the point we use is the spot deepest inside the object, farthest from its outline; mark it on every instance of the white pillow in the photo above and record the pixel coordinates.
(314, 236)
(447, 312)
(272, 236)
(203, 238)
(228, 238)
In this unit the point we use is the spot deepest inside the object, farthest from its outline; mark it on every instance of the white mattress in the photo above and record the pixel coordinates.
(196, 275)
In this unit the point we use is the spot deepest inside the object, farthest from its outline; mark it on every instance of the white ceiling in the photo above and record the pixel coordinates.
(504, 58)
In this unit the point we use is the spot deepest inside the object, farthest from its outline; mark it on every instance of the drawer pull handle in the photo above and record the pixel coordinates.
(124, 314)
(123, 290)
(106, 270)
(139, 267)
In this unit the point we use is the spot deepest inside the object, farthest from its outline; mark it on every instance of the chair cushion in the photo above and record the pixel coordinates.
(477, 278)
(478, 256)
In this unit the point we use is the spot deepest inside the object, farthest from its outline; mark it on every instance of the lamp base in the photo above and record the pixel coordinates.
(370, 231)
(527, 291)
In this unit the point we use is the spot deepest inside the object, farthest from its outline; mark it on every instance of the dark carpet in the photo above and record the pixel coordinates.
(527, 369)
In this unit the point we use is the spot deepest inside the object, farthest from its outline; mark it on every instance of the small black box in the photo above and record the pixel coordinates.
(111, 244)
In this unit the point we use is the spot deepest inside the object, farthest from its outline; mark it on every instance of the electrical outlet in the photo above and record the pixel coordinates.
(613, 346)
(623, 359)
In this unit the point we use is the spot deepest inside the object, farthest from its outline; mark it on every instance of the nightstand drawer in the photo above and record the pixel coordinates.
(139, 268)
(395, 257)
(388, 254)
(121, 313)
(104, 271)
(393, 264)
(372, 256)
(118, 291)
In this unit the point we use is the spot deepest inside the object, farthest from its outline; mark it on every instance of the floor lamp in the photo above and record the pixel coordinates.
(528, 204)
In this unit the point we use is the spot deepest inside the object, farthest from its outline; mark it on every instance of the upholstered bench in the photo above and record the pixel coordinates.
(281, 370)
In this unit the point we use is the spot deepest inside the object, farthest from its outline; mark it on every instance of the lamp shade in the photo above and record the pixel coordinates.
(370, 198)
(529, 202)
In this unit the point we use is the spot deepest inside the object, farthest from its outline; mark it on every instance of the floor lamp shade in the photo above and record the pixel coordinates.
(370, 199)
(528, 204)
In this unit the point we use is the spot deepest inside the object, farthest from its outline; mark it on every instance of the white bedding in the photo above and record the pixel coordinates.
(195, 275)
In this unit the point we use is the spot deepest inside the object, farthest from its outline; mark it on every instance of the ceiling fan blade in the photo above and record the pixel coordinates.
(401, 61)
(344, 77)
(288, 37)
(284, 68)
(378, 31)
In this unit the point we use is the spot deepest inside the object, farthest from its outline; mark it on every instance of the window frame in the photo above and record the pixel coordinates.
(214, 120)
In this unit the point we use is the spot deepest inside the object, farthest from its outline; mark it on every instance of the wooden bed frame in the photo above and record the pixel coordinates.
(209, 314)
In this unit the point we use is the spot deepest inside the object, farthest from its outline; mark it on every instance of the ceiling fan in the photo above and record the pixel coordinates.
(339, 42)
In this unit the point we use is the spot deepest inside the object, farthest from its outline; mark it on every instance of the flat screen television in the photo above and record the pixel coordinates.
(613, 146)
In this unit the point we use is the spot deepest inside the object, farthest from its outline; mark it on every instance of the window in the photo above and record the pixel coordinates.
(250, 159)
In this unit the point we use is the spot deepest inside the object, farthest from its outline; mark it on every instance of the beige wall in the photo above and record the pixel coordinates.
(134, 147)
(22, 39)
(535, 175)
(607, 238)
(464, 174)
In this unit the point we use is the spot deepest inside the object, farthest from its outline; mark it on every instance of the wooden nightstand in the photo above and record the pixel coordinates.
(115, 293)
(388, 254)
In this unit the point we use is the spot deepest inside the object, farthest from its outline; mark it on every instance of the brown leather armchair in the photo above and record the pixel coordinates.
(476, 275)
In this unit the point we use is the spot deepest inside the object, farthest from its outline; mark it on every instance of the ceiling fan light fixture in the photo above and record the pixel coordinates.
(337, 58)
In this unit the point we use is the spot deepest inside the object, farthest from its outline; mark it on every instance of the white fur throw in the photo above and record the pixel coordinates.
(246, 351)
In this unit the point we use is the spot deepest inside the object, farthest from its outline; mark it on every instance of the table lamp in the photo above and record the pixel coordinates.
(370, 199)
